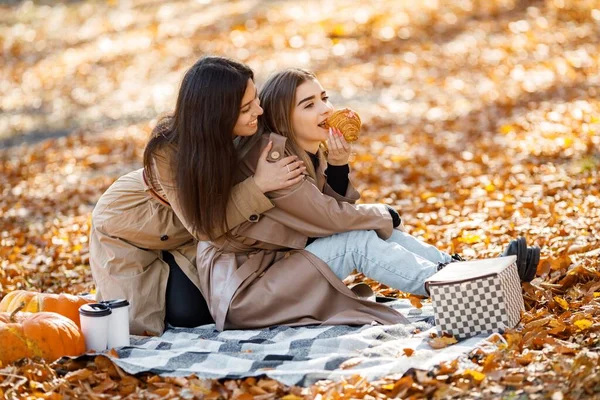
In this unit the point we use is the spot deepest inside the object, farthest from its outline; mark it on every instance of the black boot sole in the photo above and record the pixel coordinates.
(518, 247)
(533, 259)
(522, 258)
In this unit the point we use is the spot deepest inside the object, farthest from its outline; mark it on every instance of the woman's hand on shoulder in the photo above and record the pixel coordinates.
(338, 148)
(284, 173)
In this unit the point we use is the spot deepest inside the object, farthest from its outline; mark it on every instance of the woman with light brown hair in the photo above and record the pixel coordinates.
(146, 226)
(288, 268)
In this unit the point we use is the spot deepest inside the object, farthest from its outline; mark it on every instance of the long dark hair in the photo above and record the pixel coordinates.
(201, 130)
(277, 99)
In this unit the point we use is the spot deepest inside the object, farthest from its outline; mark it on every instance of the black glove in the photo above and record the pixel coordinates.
(395, 216)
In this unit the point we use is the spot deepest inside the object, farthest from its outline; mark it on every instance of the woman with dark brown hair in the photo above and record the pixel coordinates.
(145, 227)
(288, 268)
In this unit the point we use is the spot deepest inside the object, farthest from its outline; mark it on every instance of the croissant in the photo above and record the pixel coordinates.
(347, 121)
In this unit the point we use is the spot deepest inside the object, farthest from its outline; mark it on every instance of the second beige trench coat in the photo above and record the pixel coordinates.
(261, 276)
(134, 221)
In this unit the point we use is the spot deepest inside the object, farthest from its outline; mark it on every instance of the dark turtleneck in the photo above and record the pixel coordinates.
(337, 175)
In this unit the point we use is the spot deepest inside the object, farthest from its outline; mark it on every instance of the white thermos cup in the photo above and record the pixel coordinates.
(118, 325)
(94, 319)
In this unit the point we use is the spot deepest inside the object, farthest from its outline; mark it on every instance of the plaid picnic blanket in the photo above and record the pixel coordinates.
(293, 356)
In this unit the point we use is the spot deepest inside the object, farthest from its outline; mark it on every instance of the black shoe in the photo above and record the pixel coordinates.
(518, 247)
(457, 257)
(528, 258)
(454, 258)
(533, 259)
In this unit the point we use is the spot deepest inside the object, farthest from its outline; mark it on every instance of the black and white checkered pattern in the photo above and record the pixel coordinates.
(511, 287)
(293, 356)
(480, 305)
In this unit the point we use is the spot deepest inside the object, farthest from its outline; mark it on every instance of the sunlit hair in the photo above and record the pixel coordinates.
(201, 132)
(278, 98)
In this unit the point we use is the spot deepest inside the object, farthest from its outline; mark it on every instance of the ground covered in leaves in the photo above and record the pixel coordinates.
(482, 122)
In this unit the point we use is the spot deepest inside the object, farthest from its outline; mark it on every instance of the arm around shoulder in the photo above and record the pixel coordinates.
(304, 208)
(245, 203)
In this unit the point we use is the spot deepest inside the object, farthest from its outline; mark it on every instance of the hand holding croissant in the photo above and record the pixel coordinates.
(347, 121)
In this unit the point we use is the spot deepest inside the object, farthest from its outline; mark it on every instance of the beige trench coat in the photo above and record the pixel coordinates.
(134, 221)
(262, 276)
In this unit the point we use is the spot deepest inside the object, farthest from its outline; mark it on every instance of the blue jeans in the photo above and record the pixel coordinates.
(402, 262)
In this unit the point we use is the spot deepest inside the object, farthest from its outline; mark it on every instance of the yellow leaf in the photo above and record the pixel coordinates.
(478, 376)
(427, 195)
(470, 239)
(596, 295)
(350, 363)
(399, 158)
(441, 342)
(338, 30)
(506, 129)
(567, 142)
(561, 302)
(415, 301)
(583, 324)
(389, 386)
(291, 397)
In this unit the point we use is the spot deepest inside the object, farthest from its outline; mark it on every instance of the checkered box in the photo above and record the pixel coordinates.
(473, 297)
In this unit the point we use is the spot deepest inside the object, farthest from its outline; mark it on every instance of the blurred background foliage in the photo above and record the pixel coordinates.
(481, 122)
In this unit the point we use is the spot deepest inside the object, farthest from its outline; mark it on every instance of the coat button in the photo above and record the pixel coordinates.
(164, 238)
(275, 155)
(253, 218)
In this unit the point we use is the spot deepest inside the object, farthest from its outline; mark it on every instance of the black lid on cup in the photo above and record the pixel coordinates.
(95, 310)
(116, 303)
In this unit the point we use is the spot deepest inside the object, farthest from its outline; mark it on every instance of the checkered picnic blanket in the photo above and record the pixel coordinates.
(293, 356)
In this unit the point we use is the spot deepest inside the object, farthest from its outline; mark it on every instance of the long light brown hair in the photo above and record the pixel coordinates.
(201, 131)
(278, 98)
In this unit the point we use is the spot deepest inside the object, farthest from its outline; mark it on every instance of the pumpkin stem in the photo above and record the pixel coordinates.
(12, 314)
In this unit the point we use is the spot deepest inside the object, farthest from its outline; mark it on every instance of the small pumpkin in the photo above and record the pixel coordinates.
(44, 334)
(63, 304)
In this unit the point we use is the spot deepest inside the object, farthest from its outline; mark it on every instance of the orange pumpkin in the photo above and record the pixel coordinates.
(44, 334)
(63, 304)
